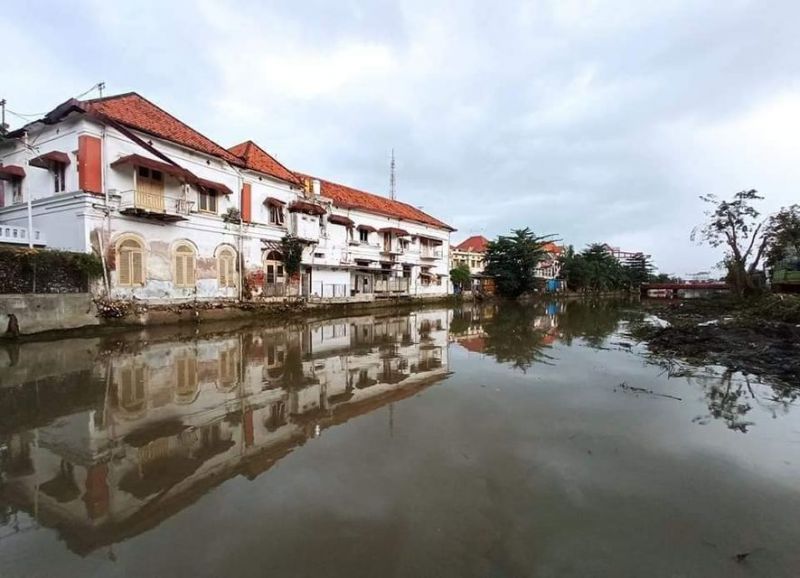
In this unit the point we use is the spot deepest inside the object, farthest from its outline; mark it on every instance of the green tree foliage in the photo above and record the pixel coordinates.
(512, 260)
(292, 251)
(460, 276)
(784, 232)
(736, 225)
(638, 269)
(594, 269)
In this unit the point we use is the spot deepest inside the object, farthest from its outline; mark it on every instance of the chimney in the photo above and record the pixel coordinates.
(315, 187)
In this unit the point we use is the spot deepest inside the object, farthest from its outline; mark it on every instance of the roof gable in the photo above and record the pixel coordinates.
(257, 159)
(349, 198)
(136, 112)
(474, 244)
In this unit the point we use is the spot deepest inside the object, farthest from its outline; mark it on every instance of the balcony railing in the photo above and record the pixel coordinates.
(19, 235)
(431, 253)
(156, 205)
(395, 285)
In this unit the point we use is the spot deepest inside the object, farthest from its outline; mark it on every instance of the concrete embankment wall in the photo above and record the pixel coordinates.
(48, 312)
(66, 313)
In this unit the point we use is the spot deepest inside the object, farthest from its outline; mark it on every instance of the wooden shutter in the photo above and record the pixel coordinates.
(246, 204)
(180, 276)
(137, 267)
(189, 261)
(124, 267)
(90, 164)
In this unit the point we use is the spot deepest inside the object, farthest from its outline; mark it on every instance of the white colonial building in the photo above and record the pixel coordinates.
(175, 216)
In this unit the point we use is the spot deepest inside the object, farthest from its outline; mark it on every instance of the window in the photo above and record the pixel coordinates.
(363, 235)
(130, 263)
(273, 268)
(59, 177)
(226, 267)
(275, 215)
(208, 201)
(16, 191)
(184, 266)
(150, 180)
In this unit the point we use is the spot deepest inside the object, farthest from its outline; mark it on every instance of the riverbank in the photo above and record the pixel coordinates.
(45, 321)
(759, 337)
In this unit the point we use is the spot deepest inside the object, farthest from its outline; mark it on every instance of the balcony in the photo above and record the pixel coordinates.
(431, 253)
(19, 236)
(154, 205)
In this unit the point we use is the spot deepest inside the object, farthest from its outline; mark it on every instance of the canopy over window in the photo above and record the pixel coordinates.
(367, 228)
(46, 160)
(433, 240)
(213, 186)
(166, 168)
(341, 220)
(272, 201)
(306, 207)
(394, 231)
(11, 172)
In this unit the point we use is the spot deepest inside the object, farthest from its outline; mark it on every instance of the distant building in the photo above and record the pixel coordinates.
(622, 256)
(470, 252)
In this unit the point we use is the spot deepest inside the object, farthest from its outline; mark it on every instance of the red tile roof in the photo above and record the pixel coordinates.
(474, 244)
(553, 248)
(138, 113)
(348, 198)
(257, 159)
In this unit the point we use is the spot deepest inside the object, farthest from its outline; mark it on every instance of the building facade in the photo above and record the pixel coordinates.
(175, 216)
(471, 253)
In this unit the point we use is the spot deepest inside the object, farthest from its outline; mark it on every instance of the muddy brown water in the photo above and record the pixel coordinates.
(482, 441)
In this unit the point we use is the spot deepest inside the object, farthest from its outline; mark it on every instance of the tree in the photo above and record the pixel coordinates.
(512, 260)
(461, 277)
(594, 269)
(784, 236)
(736, 225)
(292, 250)
(638, 269)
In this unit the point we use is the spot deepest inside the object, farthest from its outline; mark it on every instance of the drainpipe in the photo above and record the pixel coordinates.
(26, 189)
(107, 216)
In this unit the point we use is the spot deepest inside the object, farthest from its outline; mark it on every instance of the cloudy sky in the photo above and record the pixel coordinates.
(593, 120)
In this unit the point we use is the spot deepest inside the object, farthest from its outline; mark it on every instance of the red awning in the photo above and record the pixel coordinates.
(52, 158)
(275, 202)
(213, 186)
(341, 220)
(394, 231)
(368, 228)
(306, 207)
(11, 172)
(140, 161)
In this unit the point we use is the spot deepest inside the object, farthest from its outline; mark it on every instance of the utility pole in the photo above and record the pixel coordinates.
(392, 179)
(3, 116)
(100, 88)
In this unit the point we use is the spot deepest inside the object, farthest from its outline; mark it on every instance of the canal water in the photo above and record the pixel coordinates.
(481, 441)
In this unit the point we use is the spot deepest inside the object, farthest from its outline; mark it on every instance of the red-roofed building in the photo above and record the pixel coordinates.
(178, 216)
(470, 252)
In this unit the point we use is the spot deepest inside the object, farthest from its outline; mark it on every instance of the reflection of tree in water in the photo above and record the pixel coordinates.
(591, 321)
(730, 396)
(511, 337)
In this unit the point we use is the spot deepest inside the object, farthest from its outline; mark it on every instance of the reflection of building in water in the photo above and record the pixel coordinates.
(181, 417)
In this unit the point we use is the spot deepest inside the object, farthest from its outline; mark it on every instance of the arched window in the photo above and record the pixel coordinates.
(226, 267)
(184, 265)
(274, 273)
(130, 263)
